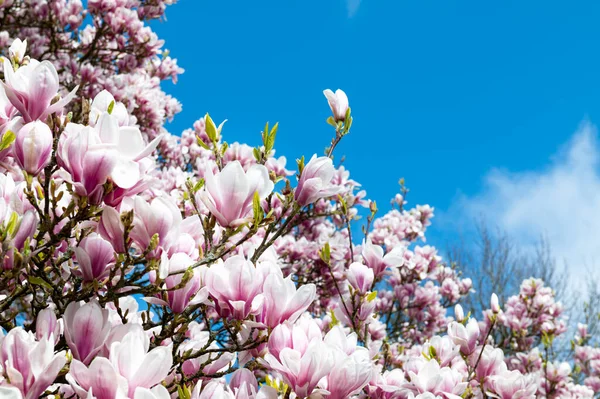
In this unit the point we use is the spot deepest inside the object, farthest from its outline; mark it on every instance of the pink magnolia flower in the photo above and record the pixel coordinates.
(141, 368)
(234, 284)
(31, 88)
(373, 256)
(31, 366)
(350, 374)
(443, 381)
(512, 385)
(212, 390)
(111, 228)
(129, 146)
(296, 337)
(47, 326)
(179, 299)
(101, 103)
(100, 379)
(360, 277)
(302, 370)
(86, 329)
(338, 102)
(283, 301)
(95, 257)
(315, 181)
(464, 336)
(229, 194)
(491, 362)
(163, 217)
(17, 50)
(33, 147)
(88, 161)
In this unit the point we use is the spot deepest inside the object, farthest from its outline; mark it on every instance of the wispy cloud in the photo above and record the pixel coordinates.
(353, 6)
(561, 202)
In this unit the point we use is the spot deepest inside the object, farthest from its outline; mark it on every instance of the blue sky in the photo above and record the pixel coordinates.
(462, 98)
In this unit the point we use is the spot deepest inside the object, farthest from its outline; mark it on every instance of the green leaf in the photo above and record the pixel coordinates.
(199, 185)
(211, 128)
(256, 153)
(300, 163)
(372, 296)
(265, 134)
(258, 211)
(432, 352)
(183, 392)
(12, 224)
(334, 320)
(347, 125)
(325, 253)
(8, 138)
(270, 141)
(39, 281)
(332, 121)
(111, 106)
(202, 143)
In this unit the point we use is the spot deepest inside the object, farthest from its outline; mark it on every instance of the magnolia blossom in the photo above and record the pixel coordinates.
(47, 326)
(374, 257)
(464, 336)
(31, 366)
(88, 161)
(17, 50)
(131, 370)
(235, 284)
(179, 299)
(129, 147)
(33, 147)
(229, 194)
(32, 87)
(86, 329)
(94, 256)
(315, 181)
(338, 102)
(360, 277)
(283, 301)
(302, 370)
(111, 229)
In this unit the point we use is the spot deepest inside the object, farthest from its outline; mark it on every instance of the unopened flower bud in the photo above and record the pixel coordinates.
(17, 49)
(33, 147)
(459, 314)
(338, 102)
(494, 304)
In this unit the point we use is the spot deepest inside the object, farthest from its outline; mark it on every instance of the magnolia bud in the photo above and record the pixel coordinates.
(17, 49)
(459, 314)
(360, 277)
(338, 102)
(33, 147)
(494, 304)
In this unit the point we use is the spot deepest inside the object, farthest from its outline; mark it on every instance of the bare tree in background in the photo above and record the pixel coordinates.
(499, 264)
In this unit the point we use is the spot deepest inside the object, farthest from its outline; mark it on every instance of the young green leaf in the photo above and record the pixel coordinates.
(211, 128)
(257, 208)
(8, 138)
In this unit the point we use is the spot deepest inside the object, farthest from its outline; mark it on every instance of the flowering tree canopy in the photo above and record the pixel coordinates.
(137, 264)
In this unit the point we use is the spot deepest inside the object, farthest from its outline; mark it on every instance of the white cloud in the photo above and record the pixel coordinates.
(561, 202)
(353, 6)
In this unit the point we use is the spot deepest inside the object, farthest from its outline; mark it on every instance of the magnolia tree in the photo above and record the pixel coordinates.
(136, 264)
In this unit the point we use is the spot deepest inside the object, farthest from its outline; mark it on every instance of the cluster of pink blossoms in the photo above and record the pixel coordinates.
(135, 264)
(100, 45)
